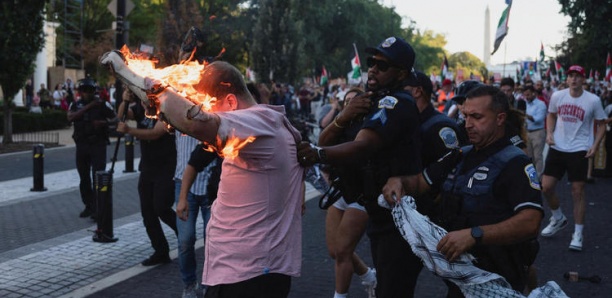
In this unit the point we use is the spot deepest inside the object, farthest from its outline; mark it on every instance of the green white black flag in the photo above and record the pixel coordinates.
(502, 28)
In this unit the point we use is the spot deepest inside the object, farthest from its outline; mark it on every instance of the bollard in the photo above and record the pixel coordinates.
(104, 201)
(129, 153)
(38, 171)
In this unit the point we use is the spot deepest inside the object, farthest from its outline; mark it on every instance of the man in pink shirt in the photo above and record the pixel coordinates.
(253, 239)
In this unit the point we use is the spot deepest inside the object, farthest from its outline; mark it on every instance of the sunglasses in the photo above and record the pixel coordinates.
(380, 64)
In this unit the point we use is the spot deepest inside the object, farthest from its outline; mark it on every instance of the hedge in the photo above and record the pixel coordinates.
(23, 121)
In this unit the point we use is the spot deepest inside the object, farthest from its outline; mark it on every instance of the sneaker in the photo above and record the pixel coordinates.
(156, 259)
(190, 291)
(554, 226)
(576, 244)
(370, 286)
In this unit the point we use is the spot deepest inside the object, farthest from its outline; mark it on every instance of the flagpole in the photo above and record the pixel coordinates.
(505, 50)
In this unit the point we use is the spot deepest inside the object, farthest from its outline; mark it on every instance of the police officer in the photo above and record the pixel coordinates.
(386, 145)
(91, 117)
(491, 199)
(438, 134)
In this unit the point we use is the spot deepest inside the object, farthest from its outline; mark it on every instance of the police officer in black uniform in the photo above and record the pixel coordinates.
(91, 117)
(386, 145)
(438, 134)
(491, 195)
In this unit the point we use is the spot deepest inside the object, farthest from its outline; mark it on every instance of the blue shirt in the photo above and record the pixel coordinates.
(536, 109)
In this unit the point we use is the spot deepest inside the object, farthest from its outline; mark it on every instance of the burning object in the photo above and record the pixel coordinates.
(174, 90)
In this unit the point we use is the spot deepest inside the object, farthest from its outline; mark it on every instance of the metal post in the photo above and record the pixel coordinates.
(38, 171)
(129, 153)
(104, 193)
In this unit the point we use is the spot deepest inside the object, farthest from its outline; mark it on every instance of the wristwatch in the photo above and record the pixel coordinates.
(477, 234)
(322, 155)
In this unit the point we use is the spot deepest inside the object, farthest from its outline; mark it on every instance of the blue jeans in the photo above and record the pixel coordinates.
(187, 233)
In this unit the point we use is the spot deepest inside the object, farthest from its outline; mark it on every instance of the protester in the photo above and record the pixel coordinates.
(345, 222)
(572, 115)
(196, 184)
(45, 97)
(29, 94)
(91, 118)
(491, 203)
(535, 116)
(58, 96)
(387, 145)
(445, 94)
(155, 184)
(253, 244)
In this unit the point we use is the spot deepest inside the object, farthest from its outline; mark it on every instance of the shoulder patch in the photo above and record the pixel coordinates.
(532, 175)
(387, 102)
(380, 115)
(449, 137)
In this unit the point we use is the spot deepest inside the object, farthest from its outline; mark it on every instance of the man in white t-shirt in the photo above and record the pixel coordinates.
(572, 113)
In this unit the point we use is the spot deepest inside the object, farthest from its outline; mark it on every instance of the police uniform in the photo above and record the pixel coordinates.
(396, 120)
(91, 144)
(439, 134)
(156, 182)
(489, 186)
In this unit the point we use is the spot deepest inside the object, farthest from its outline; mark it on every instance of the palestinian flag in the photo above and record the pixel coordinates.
(502, 28)
(542, 56)
(590, 80)
(324, 77)
(560, 71)
(356, 66)
(608, 68)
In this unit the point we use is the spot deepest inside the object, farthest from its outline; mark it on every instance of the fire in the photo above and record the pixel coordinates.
(182, 77)
(233, 146)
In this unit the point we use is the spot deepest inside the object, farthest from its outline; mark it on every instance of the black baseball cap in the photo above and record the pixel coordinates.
(399, 53)
(423, 81)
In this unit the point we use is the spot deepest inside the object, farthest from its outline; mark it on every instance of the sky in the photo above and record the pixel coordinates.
(531, 23)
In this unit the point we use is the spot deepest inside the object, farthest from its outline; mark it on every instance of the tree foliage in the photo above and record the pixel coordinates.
(288, 39)
(590, 37)
(468, 63)
(21, 35)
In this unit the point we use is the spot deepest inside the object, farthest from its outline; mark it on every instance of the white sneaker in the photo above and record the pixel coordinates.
(576, 244)
(370, 286)
(554, 226)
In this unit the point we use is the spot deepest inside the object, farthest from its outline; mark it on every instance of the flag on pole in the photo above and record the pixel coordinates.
(596, 75)
(590, 80)
(542, 56)
(608, 68)
(356, 65)
(324, 78)
(444, 68)
(502, 27)
(560, 71)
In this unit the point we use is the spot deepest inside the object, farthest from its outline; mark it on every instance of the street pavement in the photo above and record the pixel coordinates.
(46, 249)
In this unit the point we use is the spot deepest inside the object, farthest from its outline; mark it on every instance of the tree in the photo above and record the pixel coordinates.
(429, 49)
(467, 62)
(21, 35)
(590, 37)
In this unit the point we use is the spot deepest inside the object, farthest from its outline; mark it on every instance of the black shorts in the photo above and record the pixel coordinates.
(574, 163)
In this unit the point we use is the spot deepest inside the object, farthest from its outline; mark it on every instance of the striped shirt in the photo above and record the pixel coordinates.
(184, 146)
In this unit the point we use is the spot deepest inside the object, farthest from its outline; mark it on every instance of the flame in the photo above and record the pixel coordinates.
(182, 77)
(232, 146)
